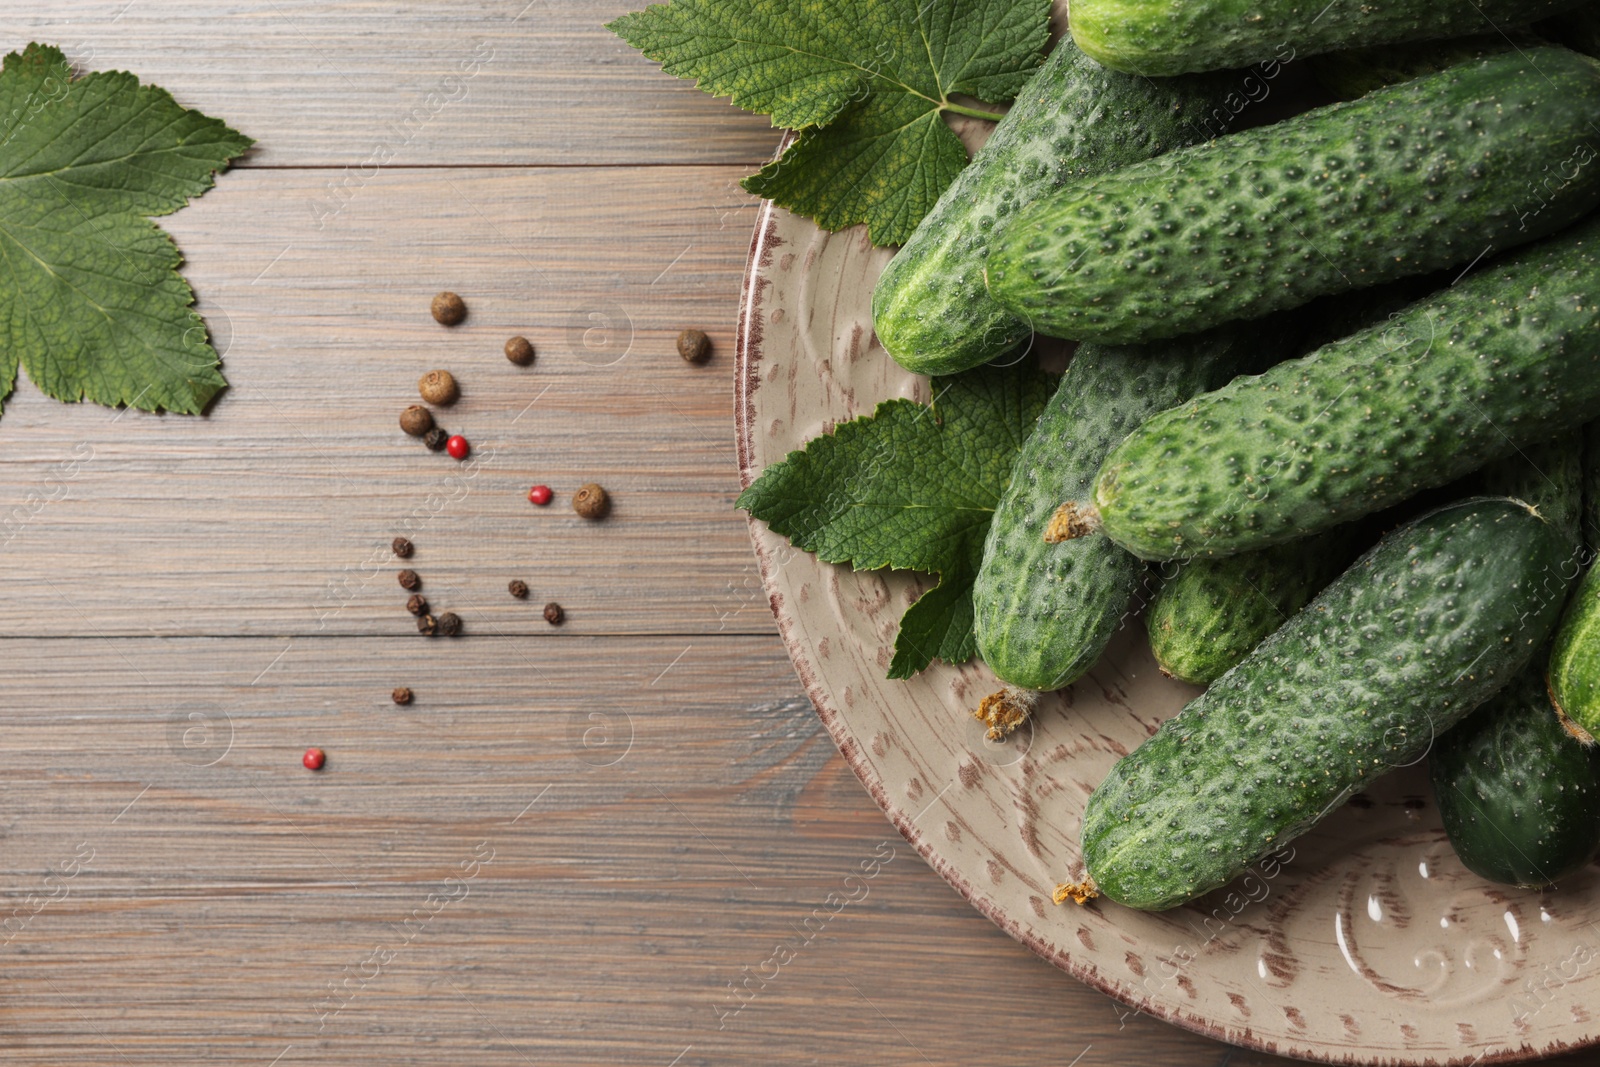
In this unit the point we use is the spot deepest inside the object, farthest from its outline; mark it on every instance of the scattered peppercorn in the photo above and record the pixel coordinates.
(449, 624)
(402, 547)
(591, 502)
(519, 589)
(439, 387)
(554, 615)
(449, 309)
(416, 420)
(417, 605)
(540, 495)
(314, 759)
(519, 350)
(427, 626)
(409, 580)
(458, 447)
(694, 346)
(401, 696)
(436, 439)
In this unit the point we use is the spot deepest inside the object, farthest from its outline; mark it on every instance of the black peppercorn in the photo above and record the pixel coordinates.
(427, 625)
(417, 605)
(401, 696)
(519, 589)
(449, 624)
(409, 580)
(554, 615)
(402, 547)
(694, 346)
(436, 439)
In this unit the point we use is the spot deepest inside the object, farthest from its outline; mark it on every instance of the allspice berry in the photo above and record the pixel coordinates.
(449, 309)
(409, 580)
(554, 615)
(417, 605)
(436, 439)
(694, 346)
(402, 547)
(427, 626)
(519, 350)
(519, 589)
(591, 502)
(438, 387)
(416, 420)
(449, 624)
(401, 696)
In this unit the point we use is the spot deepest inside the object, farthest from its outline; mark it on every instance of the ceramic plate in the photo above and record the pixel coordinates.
(1370, 943)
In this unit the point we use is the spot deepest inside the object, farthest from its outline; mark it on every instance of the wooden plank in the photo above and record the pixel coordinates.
(272, 515)
(481, 874)
(414, 82)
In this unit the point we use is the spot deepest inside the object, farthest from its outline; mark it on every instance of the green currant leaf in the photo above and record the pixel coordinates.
(911, 487)
(91, 302)
(865, 81)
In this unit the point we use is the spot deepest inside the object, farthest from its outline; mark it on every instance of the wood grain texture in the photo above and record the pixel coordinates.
(637, 809)
(328, 84)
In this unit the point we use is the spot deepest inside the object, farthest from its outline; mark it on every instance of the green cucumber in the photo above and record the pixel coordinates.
(1520, 798)
(1410, 179)
(1506, 357)
(1073, 120)
(1573, 676)
(1165, 37)
(1044, 612)
(1574, 669)
(1208, 616)
(1436, 619)
(1362, 70)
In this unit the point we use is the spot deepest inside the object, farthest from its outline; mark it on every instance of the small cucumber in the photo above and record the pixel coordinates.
(1509, 356)
(1436, 619)
(1213, 612)
(1574, 671)
(1045, 612)
(1073, 120)
(1410, 179)
(1362, 70)
(1165, 37)
(1520, 798)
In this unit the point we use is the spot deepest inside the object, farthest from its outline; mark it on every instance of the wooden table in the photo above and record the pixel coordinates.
(579, 845)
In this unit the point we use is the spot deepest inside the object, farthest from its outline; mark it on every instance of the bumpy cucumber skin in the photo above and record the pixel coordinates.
(1362, 70)
(1574, 670)
(1213, 612)
(1164, 37)
(1073, 120)
(1407, 180)
(1508, 356)
(1045, 612)
(1520, 797)
(1425, 627)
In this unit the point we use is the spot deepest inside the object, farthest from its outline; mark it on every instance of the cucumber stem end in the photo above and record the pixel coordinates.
(1080, 893)
(1071, 521)
(1006, 710)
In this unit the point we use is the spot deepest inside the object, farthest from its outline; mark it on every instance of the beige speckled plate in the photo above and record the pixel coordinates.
(1372, 944)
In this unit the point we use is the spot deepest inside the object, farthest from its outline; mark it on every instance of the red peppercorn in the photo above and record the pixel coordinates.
(314, 759)
(540, 495)
(458, 447)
